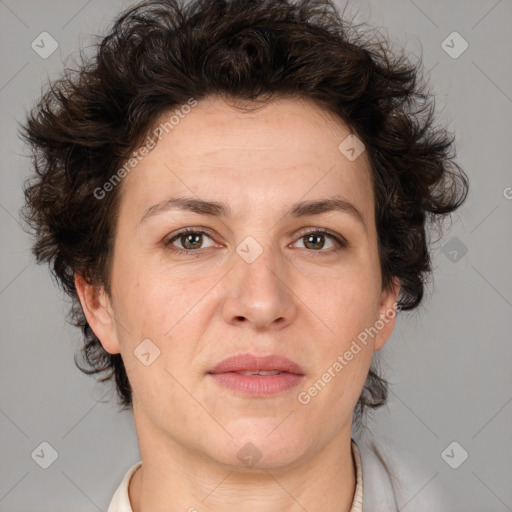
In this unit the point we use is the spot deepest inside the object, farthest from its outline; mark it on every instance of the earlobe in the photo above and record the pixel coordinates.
(387, 313)
(98, 312)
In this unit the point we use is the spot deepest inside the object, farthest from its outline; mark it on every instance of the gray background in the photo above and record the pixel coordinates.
(449, 362)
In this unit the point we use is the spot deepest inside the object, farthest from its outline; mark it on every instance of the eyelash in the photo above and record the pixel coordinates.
(340, 241)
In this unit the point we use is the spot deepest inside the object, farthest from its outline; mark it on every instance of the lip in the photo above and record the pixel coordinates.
(251, 363)
(226, 374)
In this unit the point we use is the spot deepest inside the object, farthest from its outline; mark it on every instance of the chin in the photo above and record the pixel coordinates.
(264, 448)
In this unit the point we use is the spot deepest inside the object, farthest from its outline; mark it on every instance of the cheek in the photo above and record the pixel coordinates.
(347, 308)
(155, 309)
(348, 303)
(166, 308)
(147, 300)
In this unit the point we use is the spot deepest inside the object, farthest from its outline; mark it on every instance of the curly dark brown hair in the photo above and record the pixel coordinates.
(159, 54)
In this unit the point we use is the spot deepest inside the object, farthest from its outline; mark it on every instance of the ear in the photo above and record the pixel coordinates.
(98, 311)
(387, 313)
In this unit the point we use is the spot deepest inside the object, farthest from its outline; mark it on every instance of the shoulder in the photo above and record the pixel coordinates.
(392, 479)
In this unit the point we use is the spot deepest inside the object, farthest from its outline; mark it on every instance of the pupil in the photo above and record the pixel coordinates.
(189, 238)
(312, 237)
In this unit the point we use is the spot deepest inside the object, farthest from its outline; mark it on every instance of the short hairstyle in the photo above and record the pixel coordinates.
(160, 54)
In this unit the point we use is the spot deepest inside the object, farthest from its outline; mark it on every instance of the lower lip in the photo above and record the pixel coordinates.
(258, 385)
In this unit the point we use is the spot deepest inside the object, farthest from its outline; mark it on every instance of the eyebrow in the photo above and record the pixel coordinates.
(223, 210)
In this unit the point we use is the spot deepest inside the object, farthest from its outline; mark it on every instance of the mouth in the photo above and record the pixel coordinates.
(262, 372)
(257, 376)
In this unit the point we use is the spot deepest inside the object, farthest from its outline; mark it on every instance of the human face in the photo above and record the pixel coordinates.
(304, 298)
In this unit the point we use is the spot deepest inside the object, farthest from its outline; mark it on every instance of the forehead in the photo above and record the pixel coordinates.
(281, 152)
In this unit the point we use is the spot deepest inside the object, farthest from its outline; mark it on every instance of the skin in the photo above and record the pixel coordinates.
(305, 301)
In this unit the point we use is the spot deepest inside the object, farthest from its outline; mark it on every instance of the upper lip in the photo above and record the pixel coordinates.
(252, 363)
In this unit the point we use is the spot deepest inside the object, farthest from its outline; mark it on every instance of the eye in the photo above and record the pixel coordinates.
(190, 239)
(315, 240)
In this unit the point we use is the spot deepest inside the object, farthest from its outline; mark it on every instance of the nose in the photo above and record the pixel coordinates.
(259, 294)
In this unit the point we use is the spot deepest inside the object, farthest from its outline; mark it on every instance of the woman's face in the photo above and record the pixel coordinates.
(247, 280)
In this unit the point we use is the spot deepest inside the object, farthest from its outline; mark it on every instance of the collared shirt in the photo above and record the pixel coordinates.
(121, 501)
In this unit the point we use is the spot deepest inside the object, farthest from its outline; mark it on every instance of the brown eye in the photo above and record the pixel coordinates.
(191, 240)
(316, 241)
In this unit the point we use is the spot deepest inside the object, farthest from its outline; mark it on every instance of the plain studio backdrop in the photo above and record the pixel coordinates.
(449, 362)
